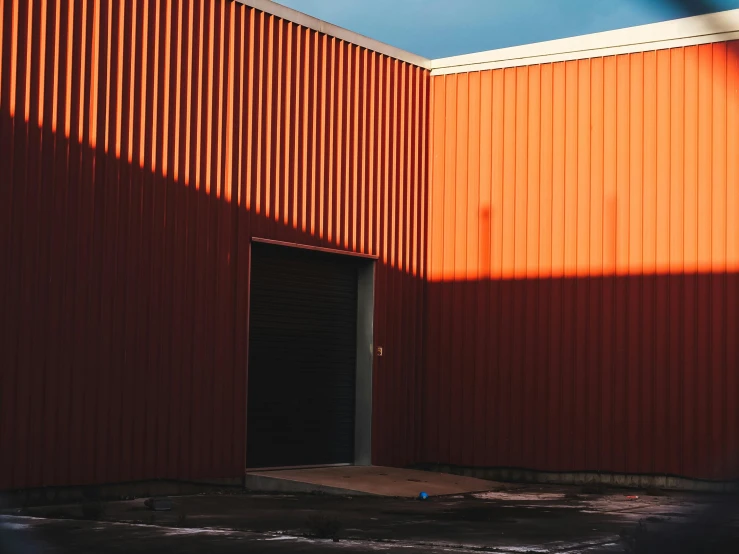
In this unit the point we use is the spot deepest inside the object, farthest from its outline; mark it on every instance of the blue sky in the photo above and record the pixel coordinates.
(439, 28)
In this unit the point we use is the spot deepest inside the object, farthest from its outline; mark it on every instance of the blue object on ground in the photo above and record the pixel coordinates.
(423, 496)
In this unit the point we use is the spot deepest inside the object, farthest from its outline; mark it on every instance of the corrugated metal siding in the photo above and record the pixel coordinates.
(584, 265)
(143, 144)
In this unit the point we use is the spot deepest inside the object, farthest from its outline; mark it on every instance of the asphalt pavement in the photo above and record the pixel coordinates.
(513, 519)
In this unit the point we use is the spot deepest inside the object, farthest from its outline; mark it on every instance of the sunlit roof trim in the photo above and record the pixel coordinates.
(688, 31)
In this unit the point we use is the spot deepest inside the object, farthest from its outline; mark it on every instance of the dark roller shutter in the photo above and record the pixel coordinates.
(302, 358)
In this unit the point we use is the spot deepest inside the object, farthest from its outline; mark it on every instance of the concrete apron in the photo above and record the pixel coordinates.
(364, 480)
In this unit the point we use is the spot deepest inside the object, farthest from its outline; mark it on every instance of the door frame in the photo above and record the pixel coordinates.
(364, 343)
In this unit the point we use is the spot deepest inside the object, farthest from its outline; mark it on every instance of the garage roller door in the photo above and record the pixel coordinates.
(302, 358)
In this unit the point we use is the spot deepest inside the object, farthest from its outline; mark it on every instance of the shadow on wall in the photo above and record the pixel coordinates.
(606, 374)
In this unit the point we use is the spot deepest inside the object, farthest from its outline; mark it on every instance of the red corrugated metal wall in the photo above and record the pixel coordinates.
(143, 144)
(583, 304)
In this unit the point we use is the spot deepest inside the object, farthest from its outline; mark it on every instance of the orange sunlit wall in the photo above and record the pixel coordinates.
(143, 144)
(583, 265)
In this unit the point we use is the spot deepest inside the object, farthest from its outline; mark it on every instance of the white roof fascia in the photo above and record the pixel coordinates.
(288, 14)
(689, 31)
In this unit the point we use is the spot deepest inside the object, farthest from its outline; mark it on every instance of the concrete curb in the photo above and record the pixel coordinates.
(620, 480)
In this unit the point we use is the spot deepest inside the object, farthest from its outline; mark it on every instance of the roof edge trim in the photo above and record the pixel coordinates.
(688, 31)
(299, 18)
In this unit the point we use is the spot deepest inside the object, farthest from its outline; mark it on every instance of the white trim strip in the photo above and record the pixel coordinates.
(689, 31)
(305, 20)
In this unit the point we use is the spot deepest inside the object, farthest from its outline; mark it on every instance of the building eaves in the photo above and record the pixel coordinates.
(288, 14)
(688, 31)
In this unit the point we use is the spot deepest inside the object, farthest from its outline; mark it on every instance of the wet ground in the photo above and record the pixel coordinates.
(512, 519)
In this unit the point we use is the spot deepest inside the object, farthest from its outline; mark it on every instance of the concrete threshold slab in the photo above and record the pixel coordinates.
(365, 480)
